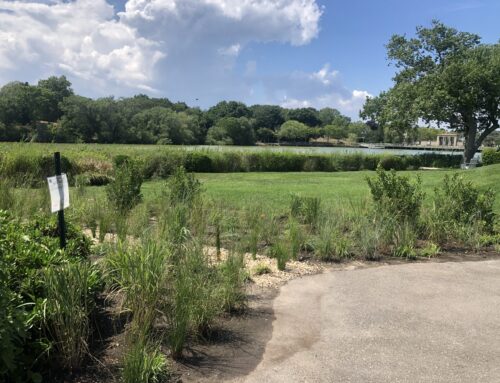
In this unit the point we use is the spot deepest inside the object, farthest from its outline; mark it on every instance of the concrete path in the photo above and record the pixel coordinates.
(428, 322)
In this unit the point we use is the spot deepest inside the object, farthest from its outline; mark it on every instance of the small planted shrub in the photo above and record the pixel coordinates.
(124, 192)
(490, 156)
(396, 196)
(183, 187)
(261, 269)
(457, 201)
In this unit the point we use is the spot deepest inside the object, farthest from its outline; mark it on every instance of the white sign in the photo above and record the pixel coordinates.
(59, 192)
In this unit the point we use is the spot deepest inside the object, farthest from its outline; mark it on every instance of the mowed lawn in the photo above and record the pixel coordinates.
(272, 190)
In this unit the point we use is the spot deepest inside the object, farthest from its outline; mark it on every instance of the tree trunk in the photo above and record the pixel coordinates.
(470, 146)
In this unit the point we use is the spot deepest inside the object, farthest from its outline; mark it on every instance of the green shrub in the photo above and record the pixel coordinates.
(124, 192)
(29, 250)
(395, 196)
(490, 156)
(392, 163)
(458, 203)
(183, 187)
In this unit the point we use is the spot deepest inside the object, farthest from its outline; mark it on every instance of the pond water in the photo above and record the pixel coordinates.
(319, 150)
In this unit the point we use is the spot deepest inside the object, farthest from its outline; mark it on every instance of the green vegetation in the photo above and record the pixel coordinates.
(445, 77)
(29, 164)
(490, 156)
(153, 257)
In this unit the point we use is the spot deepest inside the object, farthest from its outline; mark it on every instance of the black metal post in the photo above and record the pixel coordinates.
(60, 213)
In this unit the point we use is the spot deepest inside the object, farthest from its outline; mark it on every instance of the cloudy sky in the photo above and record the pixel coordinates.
(288, 52)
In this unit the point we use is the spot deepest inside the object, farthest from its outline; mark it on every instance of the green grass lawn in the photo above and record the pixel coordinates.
(273, 189)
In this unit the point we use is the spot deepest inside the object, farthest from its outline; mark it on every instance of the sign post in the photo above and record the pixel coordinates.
(59, 196)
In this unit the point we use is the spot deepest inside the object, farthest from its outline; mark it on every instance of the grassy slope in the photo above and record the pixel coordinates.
(273, 189)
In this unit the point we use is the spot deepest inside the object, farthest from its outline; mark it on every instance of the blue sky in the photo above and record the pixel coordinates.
(289, 52)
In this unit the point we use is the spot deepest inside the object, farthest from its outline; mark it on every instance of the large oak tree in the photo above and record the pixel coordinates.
(445, 77)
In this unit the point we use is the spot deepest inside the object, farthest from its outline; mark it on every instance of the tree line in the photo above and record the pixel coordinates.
(50, 111)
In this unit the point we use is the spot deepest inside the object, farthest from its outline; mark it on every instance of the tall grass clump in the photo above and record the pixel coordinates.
(307, 209)
(139, 274)
(144, 363)
(280, 252)
(68, 308)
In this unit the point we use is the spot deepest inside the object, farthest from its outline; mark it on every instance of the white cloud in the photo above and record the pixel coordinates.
(183, 49)
(79, 38)
(232, 50)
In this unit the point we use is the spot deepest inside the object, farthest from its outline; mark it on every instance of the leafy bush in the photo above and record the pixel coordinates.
(392, 163)
(124, 192)
(395, 196)
(458, 203)
(29, 250)
(490, 156)
(183, 187)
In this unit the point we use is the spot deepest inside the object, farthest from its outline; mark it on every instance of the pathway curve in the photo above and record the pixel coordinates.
(422, 322)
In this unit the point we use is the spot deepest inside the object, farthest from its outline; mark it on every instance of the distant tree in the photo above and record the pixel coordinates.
(267, 116)
(18, 103)
(293, 131)
(164, 126)
(80, 120)
(308, 116)
(335, 131)
(51, 92)
(445, 77)
(227, 109)
(266, 135)
(238, 131)
(428, 134)
(330, 116)
(217, 135)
